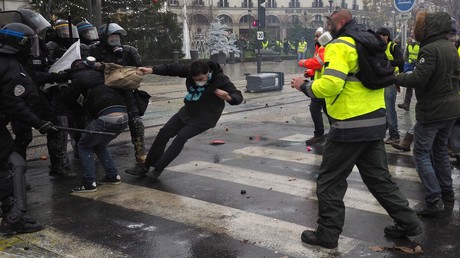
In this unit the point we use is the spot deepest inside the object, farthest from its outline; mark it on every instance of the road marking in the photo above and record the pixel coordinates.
(302, 137)
(315, 159)
(273, 234)
(354, 198)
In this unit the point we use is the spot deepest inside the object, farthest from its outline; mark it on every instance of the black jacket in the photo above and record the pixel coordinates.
(205, 109)
(436, 79)
(17, 92)
(129, 57)
(98, 97)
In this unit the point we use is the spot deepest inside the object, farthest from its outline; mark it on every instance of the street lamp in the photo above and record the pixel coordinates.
(330, 5)
(249, 23)
(394, 23)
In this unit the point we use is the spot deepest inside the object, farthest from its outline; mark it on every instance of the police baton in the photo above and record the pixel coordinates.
(61, 128)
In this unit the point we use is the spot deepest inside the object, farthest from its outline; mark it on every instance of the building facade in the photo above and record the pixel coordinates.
(238, 15)
(10, 5)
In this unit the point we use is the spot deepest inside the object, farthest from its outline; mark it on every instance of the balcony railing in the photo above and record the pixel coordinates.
(294, 5)
(355, 7)
(246, 5)
(223, 4)
(198, 3)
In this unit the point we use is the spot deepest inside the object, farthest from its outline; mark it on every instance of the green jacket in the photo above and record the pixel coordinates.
(436, 78)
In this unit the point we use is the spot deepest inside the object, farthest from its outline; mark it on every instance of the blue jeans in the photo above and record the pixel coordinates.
(97, 143)
(432, 159)
(392, 118)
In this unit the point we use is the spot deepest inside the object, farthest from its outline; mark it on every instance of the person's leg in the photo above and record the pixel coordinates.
(177, 145)
(168, 131)
(338, 161)
(423, 145)
(392, 119)
(373, 167)
(317, 116)
(441, 161)
(86, 146)
(23, 137)
(454, 142)
(315, 111)
(137, 131)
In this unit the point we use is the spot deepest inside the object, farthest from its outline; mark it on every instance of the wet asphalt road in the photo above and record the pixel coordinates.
(197, 207)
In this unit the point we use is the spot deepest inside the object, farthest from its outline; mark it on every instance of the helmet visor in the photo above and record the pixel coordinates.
(37, 21)
(62, 30)
(88, 33)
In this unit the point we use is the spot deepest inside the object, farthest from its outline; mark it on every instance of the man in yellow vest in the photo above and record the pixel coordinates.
(410, 56)
(301, 49)
(393, 52)
(355, 138)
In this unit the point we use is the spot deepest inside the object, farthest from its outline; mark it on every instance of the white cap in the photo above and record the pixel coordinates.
(320, 30)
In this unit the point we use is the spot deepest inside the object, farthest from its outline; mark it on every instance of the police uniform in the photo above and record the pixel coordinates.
(128, 56)
(16, 92)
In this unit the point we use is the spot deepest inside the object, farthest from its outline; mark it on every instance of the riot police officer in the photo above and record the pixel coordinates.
(16, 93)
(36, 65)
(111, 50)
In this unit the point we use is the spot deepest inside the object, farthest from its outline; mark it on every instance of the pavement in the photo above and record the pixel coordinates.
(249, 197)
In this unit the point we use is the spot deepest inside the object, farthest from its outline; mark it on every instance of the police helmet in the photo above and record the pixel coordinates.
(15, 37)
(114, 28)
(34, 20)
(87, 31)
(62, 30)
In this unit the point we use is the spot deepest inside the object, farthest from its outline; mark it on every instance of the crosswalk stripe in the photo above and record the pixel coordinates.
(302, 137)
(354, 198)
(273, 234)
(315, 159)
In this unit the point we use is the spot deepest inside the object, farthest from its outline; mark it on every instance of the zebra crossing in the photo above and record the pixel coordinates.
(269, 226)
(246, 225)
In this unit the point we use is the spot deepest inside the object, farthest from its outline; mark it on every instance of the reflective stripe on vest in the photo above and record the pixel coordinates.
(350, 124)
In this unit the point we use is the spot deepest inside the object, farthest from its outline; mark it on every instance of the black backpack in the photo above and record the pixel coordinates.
(375, 71)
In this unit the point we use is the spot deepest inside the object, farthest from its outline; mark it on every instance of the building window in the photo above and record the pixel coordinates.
(294, 4)
(173, 2)
(198, 3)
(247, 4)
(223, 3)
(271, 4)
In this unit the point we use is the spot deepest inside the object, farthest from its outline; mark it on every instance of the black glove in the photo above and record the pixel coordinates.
(62, 76)
(47, 127)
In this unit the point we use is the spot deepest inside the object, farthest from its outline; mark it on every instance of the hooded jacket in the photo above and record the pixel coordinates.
(202, 106)
(436, 78)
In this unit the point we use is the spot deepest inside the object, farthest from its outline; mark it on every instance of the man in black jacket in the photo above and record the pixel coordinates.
(207, 90)
(436, 84)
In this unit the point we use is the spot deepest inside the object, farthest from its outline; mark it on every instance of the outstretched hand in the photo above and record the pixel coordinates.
(145, 70)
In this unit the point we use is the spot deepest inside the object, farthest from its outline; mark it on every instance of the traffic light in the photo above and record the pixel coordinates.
(261, 13)
(254, 23)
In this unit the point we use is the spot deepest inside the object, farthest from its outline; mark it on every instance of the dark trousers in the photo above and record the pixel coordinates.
(175, 127)
(408, 95)
(371, 160)
(316, 105)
